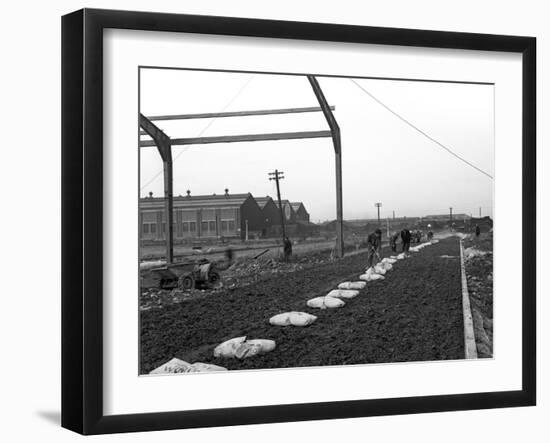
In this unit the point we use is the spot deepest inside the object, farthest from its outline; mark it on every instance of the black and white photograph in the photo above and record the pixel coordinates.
(292, 220)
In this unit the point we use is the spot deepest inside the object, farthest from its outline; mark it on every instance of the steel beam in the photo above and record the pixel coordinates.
(241, 138)
(236, 113)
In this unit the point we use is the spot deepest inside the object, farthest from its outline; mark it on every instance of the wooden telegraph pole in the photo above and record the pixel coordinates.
(378, 205)
(278, 175)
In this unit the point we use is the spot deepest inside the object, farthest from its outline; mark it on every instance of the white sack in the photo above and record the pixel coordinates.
(266, 345)
(292, 318)
(206, 367)
(280, 319)
(317, 303)
(401, 256)
(379, 270)
(343, 293)
(352, 285)
(247, 349)
(302, 318)
(389, 260)
(371, 277)
(228, 348)
(331, 302)
(174, 366)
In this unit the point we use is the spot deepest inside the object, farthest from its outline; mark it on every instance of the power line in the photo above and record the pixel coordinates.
(227, 105)
(403, 119)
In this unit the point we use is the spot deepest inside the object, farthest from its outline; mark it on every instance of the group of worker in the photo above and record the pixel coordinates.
(374, 243)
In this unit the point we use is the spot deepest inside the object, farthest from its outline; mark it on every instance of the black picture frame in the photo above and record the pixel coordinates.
(82, 190)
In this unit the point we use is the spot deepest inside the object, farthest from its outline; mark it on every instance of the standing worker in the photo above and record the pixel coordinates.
(406, 239)
(287, 248)
(393, 241)
(374, 247)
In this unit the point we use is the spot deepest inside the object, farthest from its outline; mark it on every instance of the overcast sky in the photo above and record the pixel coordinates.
(383, 159)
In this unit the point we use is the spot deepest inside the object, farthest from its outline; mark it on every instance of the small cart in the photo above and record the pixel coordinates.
(187, 275)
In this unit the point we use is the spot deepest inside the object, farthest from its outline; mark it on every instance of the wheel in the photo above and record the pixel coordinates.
(186, 282)
(213, 277)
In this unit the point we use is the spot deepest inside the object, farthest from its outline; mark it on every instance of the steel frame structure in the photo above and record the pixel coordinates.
(164, 145)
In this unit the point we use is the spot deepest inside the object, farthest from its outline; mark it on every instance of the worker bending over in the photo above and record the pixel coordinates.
(374, 247)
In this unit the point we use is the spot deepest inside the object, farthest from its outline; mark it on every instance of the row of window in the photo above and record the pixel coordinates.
(206, 227)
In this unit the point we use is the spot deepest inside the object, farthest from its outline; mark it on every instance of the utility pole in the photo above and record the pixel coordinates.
(480, 212)
(393, 215)
(378, 205)
(278, 175)
(451, 214)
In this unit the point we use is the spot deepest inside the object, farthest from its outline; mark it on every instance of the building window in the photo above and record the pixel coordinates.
(204, 226)
(192, 226)
(185, 226)
(231, 225)
(153, 228)
(224, 225)
(212, 226)
(146, 228)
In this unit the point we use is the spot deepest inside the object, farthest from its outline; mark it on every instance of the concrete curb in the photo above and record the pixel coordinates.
(470, 348)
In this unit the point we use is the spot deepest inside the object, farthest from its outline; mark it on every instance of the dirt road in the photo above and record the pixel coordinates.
(415, 314)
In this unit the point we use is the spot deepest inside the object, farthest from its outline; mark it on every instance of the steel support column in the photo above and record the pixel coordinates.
(335, 130)
(164, 146)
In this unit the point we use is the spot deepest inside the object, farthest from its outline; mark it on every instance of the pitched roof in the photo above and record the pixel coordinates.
(296, 206)
(216, 200)
(262, 201)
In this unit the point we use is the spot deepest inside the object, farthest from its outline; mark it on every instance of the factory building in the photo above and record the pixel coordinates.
(214, 216)
(202, 217)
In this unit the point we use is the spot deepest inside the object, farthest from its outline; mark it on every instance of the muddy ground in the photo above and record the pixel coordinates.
(415, 314)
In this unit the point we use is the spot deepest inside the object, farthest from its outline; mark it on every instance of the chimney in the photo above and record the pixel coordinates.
(226, 192)
(188, 193)
(150, 194)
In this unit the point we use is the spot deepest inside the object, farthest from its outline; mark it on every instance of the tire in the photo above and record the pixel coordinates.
(186, 282)
(213, 277)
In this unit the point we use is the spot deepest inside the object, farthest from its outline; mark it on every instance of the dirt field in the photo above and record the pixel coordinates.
(413, 315)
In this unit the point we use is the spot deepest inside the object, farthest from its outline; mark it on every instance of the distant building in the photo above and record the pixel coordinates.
(270, 211)
(300, 210)
(202, 216)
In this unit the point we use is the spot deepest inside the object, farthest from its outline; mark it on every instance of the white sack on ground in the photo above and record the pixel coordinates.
(280, 319)
(331, 302)
(207, 367)
(228, 348)
(343, 293)
(292, 318)
(317, 303)
(174, 366)
(352, 285)
(401, 256)
(301, 319)
(246, 350)
(371, 277)
(379, 270)
(265, 345)
(434, 242)
(325, 302)
(389, 260)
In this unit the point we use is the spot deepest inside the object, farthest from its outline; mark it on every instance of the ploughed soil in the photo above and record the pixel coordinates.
(415, 314)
